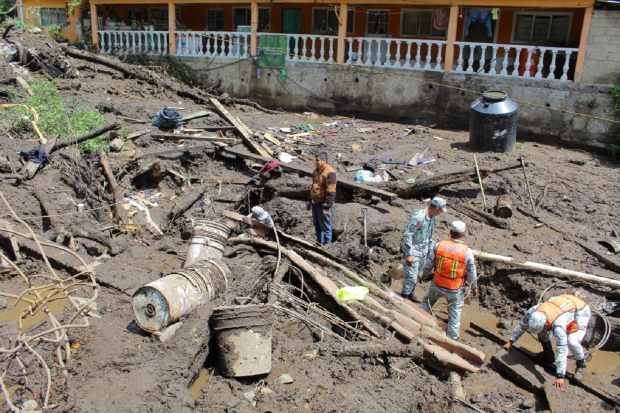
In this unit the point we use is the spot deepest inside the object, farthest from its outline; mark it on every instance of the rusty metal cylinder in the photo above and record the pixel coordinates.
(504, 207)
(164, 301)
(243, 336)
(209, 241)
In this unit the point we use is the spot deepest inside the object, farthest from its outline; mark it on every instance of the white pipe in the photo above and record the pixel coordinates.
(547, 269)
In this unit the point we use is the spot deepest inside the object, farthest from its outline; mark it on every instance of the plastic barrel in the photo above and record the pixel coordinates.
(243, 338)
(162, 302)
(209, 240)
(493, 123)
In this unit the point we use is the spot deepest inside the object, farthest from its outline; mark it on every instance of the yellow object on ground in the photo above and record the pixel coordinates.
(352, 293)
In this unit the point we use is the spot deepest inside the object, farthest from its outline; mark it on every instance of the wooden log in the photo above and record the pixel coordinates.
(187, 202)
(413, 351)
(137, 134)
(385, 321)
(25, 85)
(326, 285)
(159, 135)
(197, 115)
(547, 269)
(345, 183)
(484, 198)
(84, 138)
(437, 181)
(498, 222)
(241, 129)
(441, 359)
(121, 214)
(504, 207)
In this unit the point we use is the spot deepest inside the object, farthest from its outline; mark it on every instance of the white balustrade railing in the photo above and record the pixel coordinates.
(396, 53)
(133, 41)
(309, 48)
(213, 44)
(552, 63)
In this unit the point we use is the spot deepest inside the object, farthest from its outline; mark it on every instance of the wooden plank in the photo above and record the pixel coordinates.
(523, 370)
(215, 128)
(24, 84)
(197, 115)
(240, 129)
(137, 134)
(345, 183)
(131, 120)
(158, 135)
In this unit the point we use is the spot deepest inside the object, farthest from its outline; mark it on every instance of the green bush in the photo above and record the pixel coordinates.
(615, 93)
(67, 118)
(54, 30)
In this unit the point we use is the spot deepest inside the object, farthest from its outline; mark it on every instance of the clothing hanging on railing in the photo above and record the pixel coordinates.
(484, 17)
(441, 18)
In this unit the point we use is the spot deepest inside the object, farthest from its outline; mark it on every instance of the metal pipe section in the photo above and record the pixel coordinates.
(204, 276)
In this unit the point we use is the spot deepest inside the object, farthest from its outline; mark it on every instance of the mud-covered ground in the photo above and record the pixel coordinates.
(118, 367)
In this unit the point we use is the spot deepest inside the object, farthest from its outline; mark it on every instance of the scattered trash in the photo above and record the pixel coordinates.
(612, 244)
(266, 390)
(352, 293)
(396, 272)
(438, 137)
(422, 161)
(286, 130)
(80, 207)
(284, 379)
(356, 147)
(411, 181)
(286, 158)
(368, 176)
(365, 130)
(36, 155)
(167, 118)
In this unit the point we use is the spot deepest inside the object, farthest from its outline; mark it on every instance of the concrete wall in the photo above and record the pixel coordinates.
(416, 97)
(602, 63)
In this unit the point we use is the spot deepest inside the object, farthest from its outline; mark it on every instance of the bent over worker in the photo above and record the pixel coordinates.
(322, 198)
(417, 239)
(567, 318)
(454, 268)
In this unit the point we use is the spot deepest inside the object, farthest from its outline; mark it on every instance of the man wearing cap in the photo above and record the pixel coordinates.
(417, 240)
(454, 268)
(262, 215)
(567, 318)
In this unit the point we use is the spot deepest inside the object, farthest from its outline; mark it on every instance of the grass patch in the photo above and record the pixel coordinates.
(68, 118)
(520, 146)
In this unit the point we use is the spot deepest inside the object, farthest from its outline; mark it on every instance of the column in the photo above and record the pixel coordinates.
(253, 28)
(94, 26)
(342, 32)
(172, 26)
(454, 18)
(583, 41)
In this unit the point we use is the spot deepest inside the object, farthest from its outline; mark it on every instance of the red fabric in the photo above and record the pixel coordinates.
(270, 166)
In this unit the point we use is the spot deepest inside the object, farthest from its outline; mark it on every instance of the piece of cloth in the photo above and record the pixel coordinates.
(322, 223)
(269, 166)
(36, 155)
(417, 239)
(563, 340)
(441, 18)
(167, 118)
(495, 13)
(323, 189)
(352, 293)
(475, 16)
(470, 265)
(262, 215)
(455, 300)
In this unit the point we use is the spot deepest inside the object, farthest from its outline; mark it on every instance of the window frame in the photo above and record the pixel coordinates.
(61, 10)
(234, 27)
(177, 13)
(349, 9)
(540, 13)
(368, 15)
(424, 36)
(207, 22)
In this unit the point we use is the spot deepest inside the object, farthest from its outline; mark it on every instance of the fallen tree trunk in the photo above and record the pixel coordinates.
(548, 269)
(413, 351)
(84, 138)
(437, 181)
(187, 202)
(504, 207)
(328, 287)
(500, 223)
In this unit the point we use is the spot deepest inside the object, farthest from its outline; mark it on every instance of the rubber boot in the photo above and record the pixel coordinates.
(581, 369)
(547, 356)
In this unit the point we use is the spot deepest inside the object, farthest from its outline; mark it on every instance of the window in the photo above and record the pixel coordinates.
(215, 19)
(419, 23)
(377, 22)
(159, 15)
(51, 16)
(547, 28)
(242, 16)
(325, 21)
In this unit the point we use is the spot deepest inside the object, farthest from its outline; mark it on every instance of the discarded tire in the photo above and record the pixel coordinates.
(243, 337)
(162, 302)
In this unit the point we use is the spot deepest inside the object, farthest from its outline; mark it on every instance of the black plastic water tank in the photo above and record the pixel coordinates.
(493, 122)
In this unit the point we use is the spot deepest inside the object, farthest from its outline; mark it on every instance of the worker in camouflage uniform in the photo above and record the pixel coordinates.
(417, 240)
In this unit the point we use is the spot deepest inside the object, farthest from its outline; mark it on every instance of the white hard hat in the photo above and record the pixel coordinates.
(458, 227)
(537, 322)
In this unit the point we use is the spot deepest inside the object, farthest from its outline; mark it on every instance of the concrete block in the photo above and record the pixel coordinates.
(596, 126)
(579, 123)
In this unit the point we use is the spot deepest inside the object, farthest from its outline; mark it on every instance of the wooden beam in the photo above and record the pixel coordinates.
(342, 32)
(583, 42)
(241, 130)
(94, 26)
(192, 137)
(172, 26)
(454, 19)
(549, 4)
(345, 183)
(253, 28)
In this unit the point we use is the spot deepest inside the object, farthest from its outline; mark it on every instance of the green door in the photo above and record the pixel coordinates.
(291, 23)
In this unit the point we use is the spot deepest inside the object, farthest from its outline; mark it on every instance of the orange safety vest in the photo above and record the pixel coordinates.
(450, 264)
(559, 305)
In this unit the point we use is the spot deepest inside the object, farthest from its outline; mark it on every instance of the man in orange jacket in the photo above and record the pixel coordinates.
(567, 318)
(454, 268)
